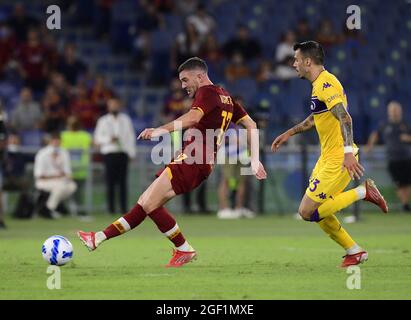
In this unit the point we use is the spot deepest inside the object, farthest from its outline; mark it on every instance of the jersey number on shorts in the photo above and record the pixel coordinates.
(315, 182)
(224, 125)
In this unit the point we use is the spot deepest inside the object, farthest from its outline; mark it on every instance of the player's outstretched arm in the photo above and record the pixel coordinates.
(355, 170)
(253, 143)
(185, 121)
(305, 125)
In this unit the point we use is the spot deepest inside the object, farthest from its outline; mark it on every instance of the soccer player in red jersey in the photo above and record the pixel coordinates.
(212, 109)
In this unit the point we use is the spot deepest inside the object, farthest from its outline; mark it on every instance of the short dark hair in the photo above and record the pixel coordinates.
(311, 49)
(193, 63)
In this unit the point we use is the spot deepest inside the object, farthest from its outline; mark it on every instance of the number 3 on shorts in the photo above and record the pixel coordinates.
(315, 183)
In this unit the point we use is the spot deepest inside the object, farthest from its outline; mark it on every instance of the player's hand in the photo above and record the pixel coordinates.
(258, 170)
(279, 141)
(354, 168)
(146, 134)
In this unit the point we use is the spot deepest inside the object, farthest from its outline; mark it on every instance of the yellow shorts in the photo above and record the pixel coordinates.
(327, 180)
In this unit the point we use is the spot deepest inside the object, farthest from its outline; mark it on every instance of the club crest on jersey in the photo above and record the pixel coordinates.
(326, 85)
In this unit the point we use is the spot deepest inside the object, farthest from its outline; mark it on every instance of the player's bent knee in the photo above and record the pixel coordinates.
(305, 214)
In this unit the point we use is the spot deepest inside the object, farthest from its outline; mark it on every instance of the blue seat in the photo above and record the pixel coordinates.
(32, 138)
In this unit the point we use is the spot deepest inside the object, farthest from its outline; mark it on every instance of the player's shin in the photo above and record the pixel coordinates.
(333, 228)
(339, 202)
(127, 222)
(169, 227)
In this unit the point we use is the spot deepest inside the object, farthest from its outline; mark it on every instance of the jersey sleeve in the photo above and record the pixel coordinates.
(330, 95)
(239, 113)
(205, 100)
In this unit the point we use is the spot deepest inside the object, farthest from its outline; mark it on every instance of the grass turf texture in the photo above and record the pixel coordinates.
(268, 257)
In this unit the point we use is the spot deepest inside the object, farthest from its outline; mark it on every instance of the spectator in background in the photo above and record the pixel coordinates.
(186, 7)
(100, 93)
(15, 178)
(27, 114)
(20, 22)
(210, 50)
(3, 143)
(55, 111)
(164, 6)
(85, 110)
(53, 55)
(396, 135)
(103, 18)
(58, 81)
(303, 31)
(264, 72)
(149, 19)
(52, 172)
(231, 180)
(242, 43)
(188, 44)
(7, 45)
(202, 21)
(174, 103)
(236, 68)
(284, 57)
(285, 47)
(32, 56)
(70, 66)
(141, 51)
(78, 143)
(326, 35)
(115, 137)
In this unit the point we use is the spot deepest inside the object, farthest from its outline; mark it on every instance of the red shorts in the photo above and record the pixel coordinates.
(186, 177)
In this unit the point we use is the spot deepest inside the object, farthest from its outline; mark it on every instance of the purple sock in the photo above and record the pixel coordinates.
(315, 217)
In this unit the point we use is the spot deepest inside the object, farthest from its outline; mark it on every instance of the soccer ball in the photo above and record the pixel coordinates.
(57, 250)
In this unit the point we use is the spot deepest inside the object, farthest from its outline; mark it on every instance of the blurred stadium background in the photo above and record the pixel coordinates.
(130, 49)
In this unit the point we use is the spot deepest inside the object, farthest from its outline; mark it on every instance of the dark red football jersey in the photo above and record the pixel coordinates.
(219, 111)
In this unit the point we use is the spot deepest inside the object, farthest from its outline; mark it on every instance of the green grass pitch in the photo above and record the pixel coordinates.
(269, 257)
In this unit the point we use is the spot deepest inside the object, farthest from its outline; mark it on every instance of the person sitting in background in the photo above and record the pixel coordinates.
(303, 31)
(3, 142)
(7, 45)
(78, 143)
(264, 72)
(20, 22)
(397, 137)
(27, 114)
(326, 34)
(242, 43)
(100, 93)
(15, 179)
(284, 57)
(70, 66)
(33, 62)
(203, 22)
(187, 44)
(85, 110)
(55, 111)
(236, 69)
(52, 173)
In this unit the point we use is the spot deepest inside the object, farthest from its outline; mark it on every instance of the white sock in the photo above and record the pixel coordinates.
(361, 191)
(354, 249)
(100, 237)
(185, 247)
